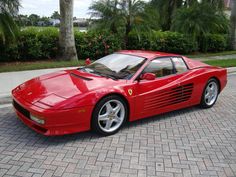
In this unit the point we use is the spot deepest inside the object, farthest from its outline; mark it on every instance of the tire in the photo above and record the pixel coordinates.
(109, 115)
(210, 94)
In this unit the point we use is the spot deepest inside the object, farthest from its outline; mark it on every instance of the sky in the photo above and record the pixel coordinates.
(47, 7)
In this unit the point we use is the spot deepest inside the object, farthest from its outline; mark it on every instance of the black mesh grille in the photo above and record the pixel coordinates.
(21, 109)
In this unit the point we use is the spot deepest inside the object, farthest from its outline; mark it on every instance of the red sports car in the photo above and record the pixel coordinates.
(124, 86)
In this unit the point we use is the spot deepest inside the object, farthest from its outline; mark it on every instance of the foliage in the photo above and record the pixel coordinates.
(42, 43)
(163, 41)
(166, 10)
(213, 43)
(199, 20)
(56, 15)
(96, 45)
(232, 40)
(8, 27)
(120, 16)
(106, 14)
(33, 43)
(33, 20)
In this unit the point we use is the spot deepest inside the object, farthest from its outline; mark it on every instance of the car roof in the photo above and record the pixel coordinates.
(146, 54)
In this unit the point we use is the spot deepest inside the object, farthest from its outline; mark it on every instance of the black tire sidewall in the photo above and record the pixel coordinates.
(203, 101)
(94, 122)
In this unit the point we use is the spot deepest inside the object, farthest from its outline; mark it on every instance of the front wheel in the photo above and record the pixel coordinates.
(210, 94)
(109, 115)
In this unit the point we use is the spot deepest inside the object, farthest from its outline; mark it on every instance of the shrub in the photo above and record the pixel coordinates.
(33, 43)
(96, 45)
(162, 41)
(50, 42)
(213, 43)
(42, 43)
(29, 46)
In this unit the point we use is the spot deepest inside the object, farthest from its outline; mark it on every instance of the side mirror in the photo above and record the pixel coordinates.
(87, 61)
(148, 76)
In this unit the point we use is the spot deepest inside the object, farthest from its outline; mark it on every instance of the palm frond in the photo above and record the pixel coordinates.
(8, 27)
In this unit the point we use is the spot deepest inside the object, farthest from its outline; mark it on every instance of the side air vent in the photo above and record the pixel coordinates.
(81, 77)
(166, 98)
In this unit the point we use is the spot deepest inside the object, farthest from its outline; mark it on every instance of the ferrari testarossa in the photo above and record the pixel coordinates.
(124, 86)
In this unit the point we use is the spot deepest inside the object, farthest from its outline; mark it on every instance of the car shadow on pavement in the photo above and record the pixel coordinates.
(161, 117)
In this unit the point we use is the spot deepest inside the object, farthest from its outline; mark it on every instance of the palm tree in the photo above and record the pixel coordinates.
(119, 16)
(166, 10)
(66, 35)
(8, 27)
(199, 19)
(233, 26)
(107, 15)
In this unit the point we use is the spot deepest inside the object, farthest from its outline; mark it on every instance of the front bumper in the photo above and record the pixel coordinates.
(57, 122)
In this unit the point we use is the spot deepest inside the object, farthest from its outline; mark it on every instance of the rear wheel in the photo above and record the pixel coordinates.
(109, 115)
(210, 94)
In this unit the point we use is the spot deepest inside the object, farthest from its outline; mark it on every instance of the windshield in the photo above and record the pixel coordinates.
(116, 66)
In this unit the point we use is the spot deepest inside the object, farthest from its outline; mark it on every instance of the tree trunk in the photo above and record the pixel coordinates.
(233, 26)
(66, 37)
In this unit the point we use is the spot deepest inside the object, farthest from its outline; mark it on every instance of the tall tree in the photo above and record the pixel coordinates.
(34, 19)
(66, 35)
(8, 27)
(233, 26)
(55, 15)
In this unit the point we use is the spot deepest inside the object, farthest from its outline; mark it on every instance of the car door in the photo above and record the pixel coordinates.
(190, 90)
(162, 94)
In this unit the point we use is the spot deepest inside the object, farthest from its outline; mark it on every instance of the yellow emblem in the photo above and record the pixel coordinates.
(130, 91)
(81, 111)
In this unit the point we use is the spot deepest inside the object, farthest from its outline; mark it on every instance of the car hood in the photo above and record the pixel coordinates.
(56, 87)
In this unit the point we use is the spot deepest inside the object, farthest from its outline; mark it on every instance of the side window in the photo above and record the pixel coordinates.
(160, 67)
(180, 66)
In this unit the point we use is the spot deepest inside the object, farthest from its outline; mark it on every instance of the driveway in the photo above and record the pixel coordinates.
(189, 142)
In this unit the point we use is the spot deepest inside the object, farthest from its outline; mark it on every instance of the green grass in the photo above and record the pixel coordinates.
(222, 63)
(202, 55)
(22, 66)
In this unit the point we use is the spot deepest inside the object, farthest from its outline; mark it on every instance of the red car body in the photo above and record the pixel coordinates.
(65, 100)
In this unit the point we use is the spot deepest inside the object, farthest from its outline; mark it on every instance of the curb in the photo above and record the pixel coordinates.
(7, 99)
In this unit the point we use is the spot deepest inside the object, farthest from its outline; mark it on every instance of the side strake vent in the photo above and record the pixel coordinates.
(166, 98)
(81, 77)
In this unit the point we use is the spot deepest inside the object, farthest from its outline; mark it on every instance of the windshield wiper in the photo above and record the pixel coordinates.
(105, 75)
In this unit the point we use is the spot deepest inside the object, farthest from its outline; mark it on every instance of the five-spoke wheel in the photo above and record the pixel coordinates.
(109, 115)
(210, 94)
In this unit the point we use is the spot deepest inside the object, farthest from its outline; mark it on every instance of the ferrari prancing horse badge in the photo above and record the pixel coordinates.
(130, 91)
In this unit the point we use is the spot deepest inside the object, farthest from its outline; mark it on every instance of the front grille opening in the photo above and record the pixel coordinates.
(20, 109)
(40, 129)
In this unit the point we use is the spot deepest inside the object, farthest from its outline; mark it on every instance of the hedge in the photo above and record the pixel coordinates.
(96, 45)
(162, 41)
(213, 43)
(36, 43)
